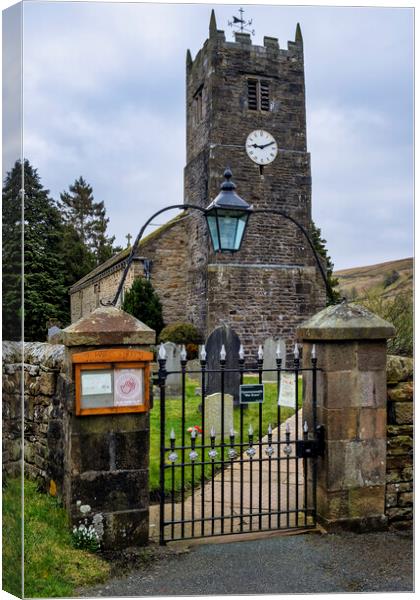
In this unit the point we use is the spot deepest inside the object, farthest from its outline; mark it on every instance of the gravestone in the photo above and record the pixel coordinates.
(270, 349)
(213, 414)
(173, 363)
(230, 339)
(54, 335)
(194, 365)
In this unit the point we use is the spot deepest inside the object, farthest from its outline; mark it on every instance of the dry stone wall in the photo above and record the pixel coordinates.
(399, 472)
(35, 369)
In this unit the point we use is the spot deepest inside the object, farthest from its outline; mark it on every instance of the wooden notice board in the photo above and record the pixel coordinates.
(112, 381)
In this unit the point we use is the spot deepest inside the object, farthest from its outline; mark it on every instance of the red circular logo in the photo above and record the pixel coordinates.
(128, 385)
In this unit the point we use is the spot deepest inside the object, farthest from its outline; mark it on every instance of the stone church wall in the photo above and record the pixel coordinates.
(262, 302)
(272, 284)
(167, 249)
(86, 297)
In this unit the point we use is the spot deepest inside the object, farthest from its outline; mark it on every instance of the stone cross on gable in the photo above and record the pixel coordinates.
(128, 237)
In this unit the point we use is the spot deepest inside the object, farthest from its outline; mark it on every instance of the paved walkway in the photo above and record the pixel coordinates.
(310, 563)
(225, 498)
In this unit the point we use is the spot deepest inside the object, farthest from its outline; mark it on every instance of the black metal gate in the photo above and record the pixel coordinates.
(254, 473)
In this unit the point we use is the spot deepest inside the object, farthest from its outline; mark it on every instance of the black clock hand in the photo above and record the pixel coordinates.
(265, 145)
(258, 146)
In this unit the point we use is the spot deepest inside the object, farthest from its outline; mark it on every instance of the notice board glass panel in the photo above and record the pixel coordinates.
(97, 388)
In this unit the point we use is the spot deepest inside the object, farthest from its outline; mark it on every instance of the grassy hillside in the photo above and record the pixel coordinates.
(386, 279)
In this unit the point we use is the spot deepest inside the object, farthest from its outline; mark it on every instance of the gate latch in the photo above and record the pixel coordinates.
(312, 448)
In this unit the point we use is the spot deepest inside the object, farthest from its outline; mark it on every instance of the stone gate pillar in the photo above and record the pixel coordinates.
(350, 345)
(106, 459)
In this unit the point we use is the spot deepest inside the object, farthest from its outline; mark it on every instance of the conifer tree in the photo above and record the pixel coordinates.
(142, 302)
(43, 279)
(12, 216)
(77, 258)
(88, 218)
(321, 248)
(102, 245)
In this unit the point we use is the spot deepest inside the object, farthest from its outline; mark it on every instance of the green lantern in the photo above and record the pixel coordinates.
(227, 217)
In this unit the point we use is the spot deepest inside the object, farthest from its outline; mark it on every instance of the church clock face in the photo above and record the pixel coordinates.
(261, 147)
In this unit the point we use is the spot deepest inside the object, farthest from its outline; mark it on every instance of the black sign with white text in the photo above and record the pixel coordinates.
(251, 393)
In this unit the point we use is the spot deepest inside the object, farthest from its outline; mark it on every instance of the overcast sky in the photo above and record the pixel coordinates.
(104, 97)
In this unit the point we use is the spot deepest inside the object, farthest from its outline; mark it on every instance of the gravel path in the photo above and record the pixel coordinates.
(375, 562)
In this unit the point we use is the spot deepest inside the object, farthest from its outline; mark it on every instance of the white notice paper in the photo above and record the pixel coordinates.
(287, 390)
(94, 383)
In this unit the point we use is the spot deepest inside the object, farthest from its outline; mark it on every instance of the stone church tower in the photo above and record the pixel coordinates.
(272, 284)
(235, 88)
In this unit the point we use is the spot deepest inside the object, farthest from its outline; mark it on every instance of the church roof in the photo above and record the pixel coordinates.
(120, 256)
(123, 255)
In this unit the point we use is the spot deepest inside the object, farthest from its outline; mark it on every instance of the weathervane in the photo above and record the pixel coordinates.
(241, 24)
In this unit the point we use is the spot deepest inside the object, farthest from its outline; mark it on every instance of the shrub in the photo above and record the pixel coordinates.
(180, 333)
(391, 278)
(142, 302)
(183, 333)
(398, 310)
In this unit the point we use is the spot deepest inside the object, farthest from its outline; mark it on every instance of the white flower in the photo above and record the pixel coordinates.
(78, 503)
(85, 509)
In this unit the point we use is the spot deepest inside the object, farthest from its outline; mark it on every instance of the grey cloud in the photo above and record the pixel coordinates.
(104, 98)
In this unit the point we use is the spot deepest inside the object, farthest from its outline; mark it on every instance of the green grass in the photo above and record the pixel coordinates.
(52, 567)
(193, 417)
(12, 536)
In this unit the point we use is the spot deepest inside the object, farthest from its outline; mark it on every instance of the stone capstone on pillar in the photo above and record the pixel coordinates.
(108, 326)
(351, 404)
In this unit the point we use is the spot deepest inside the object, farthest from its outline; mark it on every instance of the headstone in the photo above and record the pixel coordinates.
(270, 349)
(54, 335)
(194, 365)
(227, 337)
(173, 363)
(213, 414)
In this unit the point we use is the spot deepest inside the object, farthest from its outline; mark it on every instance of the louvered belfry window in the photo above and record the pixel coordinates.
(258, 95)
(264, 95)
(252, 94)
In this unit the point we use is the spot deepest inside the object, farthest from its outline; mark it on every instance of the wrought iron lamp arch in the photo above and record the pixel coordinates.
(227, 219)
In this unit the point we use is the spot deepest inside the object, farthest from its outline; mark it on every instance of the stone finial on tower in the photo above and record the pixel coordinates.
(189, 59)
(213, 24)
(298, 35)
